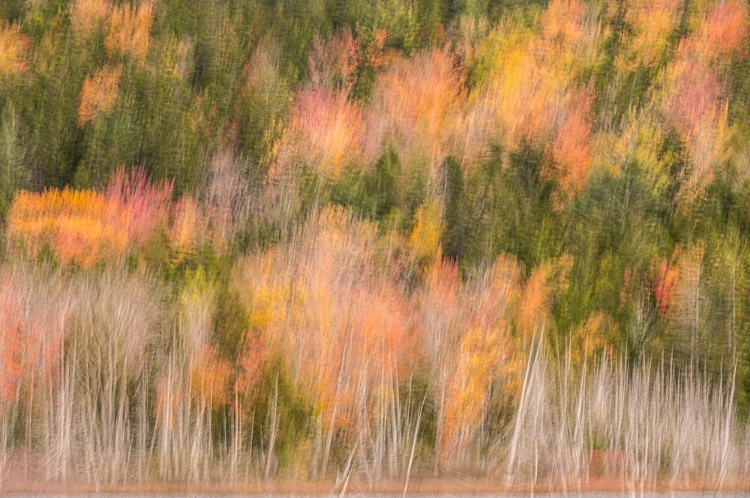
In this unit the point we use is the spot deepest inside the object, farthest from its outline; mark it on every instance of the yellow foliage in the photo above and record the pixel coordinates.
(185, 231)
(652, 22)
(488, 355)
(13, 48)
(640, 142)
(529, 88)
(428, 229)
(99, 94)
(593, 337)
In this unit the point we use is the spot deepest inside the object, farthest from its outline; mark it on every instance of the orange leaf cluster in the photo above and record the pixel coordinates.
(128, 29)
(487, 352)
(528, 89)
(350, 325)
(99, 94)
(33, 319)
(414, 107)
(11, 345)
(592, 337)
(250, 365)
(13, 48)
(651, 22)
(659, 284)
(326, 130)
(572, 146)
(724, 30)
(545, 281)
(332, 62)
(666, 280)
(87, 16)
(85, 227)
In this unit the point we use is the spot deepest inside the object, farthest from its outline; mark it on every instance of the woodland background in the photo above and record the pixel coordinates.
(248, 239)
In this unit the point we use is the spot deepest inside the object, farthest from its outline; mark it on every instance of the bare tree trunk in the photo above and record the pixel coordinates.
(413, 446)
(274, 428)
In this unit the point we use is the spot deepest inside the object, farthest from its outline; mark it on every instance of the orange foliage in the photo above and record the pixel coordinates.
(686, 300)
(209, 377)
(250, 365)
(85, 227)
(33, 321)
(146, 204)
(128, 29)
(696, 95)
(99, 94)
(10, 345)
(325, 131)
(487, 354)
(666, 280)
(70, 222)
(695, 102)
(414, 107)
(13, 48)
(333, 61)
(659, 284)
(572, 146)
(87, 16)
(528, 88)
(350, 324)
(562, 22)
(725, 29)
(187, 227)
(593, 337)
(545, 281)
(536, 300)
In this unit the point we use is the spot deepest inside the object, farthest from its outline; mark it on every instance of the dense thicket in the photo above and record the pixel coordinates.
(248, 238)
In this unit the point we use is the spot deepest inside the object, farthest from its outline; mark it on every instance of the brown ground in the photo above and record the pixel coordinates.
(417, 486)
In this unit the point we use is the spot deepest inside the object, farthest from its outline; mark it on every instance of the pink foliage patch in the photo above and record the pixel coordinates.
(146, 204)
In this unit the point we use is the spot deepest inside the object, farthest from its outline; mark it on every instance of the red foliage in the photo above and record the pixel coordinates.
(572, 146)
(146, 203)
(666, 280)
(726, 28)
(325, 131)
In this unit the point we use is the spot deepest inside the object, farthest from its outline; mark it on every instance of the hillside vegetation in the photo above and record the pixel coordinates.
(375, 240)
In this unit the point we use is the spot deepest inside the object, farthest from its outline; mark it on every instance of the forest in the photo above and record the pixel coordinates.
(375, 241)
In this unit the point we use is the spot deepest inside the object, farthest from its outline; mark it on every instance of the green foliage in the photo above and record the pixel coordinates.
(12, 10)
(464, 173)
(277, 396)
(382, 185)
(454, 234)
(230, 323)
(13, 175)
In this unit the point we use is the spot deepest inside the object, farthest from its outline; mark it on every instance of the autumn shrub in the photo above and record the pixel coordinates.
(86, 227)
